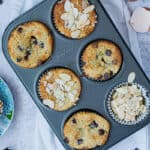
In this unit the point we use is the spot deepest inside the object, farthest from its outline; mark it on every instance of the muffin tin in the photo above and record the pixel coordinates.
(67, 54)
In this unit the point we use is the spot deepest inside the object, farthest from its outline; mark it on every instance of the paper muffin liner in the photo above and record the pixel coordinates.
(140, 118)
(82, 63)
(38, 84)
(62, 33)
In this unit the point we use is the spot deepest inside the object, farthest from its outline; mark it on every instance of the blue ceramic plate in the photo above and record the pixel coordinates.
(8, 106)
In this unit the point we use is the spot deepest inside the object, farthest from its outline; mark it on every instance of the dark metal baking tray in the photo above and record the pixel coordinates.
(66, 54)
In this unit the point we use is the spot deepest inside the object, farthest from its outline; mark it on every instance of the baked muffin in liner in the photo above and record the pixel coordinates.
(46, 92)
(75, 19)
(101, 60)
(86, 120)
(145, 101)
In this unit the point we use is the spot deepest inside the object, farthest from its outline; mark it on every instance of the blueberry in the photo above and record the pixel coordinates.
(100, 78)
(74, 121)
(28, 53)
(34, 40)
(108, 52)
(96, 56)
(80, 141)
(93, 124)
(66, 140)
(20, 48)
(20, 30)
(103, 60)
(101, 131)
(111, 73)
(106, 75)
(42, 45)
(19, 59)
(83, 63)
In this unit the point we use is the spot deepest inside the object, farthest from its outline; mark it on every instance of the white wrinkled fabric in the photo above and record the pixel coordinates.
(29, 130)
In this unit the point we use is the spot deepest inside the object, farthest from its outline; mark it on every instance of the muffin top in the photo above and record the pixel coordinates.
(101, 60)
(59, 89)
(86, 130)
(75, 18)
(128, 102)
(30, 44)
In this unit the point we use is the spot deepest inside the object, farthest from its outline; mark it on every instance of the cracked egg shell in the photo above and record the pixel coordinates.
(140, 20)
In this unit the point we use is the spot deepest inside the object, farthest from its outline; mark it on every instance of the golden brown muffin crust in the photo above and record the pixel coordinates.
(86, 130)
(68, 91)
(60, 24)
(30, 44)
(101, 60)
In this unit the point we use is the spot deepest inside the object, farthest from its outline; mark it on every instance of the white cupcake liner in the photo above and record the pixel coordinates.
(146, 96)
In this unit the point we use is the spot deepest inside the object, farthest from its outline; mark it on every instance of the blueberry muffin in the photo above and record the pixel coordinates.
(30, 44)
(59, 89)
(86, 130)
(101, 60)
(75, 18)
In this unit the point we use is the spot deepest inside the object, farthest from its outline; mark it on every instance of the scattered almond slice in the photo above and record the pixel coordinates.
(131, 77)
(48, 103)
(140, 20)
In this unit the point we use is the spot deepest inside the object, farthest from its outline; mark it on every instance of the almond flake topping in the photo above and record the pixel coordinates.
(74, 20)
(128, 103)
(63, 89)
(48, 103)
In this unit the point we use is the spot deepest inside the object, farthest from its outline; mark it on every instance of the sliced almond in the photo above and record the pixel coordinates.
(131, 77)
(64, 16)
(59, 94)
(75, 12)
(70, 21)
(48, 91)
(71, 97)
(84, 4)
(89, 9)
(67, 6)
(75, 34)
(65, 77)
(48, 103)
